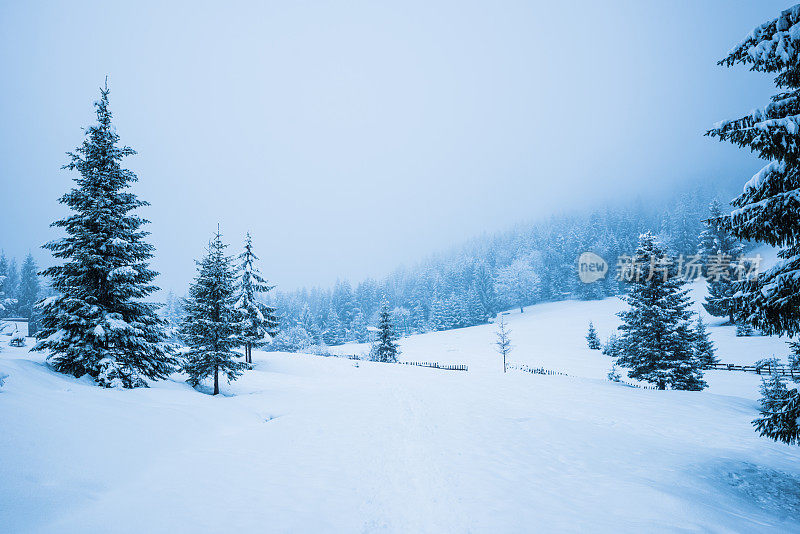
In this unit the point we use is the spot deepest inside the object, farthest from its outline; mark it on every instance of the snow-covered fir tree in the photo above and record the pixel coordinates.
(11, 288)
(703, 346)
(334, 333)
(503, 342)
(99, 323)
(768, 210)
(613, 346)
(744, 329)
(258, 319)
(400, 318)
(309, 323)
(476, 310)
(28, 293)
(683, 225)
(613, 374)
(386, 349)
(720, 253)
(442, 315)
(172, 312)
(212, 326)
(779, 408)
(657, 337)
(5, 300)
(592, 339)
(359, 327)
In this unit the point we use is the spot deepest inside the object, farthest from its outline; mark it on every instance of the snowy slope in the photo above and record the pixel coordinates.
(552, 335)
(311, 444)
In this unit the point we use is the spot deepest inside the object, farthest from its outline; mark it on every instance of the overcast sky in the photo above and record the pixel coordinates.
(352, 137)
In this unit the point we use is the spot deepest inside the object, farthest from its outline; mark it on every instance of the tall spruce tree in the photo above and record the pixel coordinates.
(98, 323)
(657, 342)
(768, 210)
(259, 320)
(212, 326)
(386, 349)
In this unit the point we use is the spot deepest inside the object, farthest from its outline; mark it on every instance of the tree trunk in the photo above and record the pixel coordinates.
(216, 380)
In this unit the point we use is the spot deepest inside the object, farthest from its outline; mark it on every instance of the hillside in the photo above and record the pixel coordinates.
(306, 443)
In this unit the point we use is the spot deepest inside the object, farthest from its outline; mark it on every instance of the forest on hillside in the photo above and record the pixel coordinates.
(468, 285)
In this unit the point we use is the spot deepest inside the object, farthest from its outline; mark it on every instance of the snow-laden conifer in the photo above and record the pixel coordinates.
(703, 346)
(658, 339)
(768, 210)
(591, 338)
(720, 254)
(212, 326)
(99, 323)
(258, 319)
(386, 349)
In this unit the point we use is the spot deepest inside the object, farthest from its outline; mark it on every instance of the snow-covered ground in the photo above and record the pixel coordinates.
(553, 336)
(312, 444)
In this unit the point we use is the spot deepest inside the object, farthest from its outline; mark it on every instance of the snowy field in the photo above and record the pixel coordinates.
(312, 444)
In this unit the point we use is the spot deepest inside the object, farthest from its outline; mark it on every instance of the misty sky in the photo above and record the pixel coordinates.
(352, 137)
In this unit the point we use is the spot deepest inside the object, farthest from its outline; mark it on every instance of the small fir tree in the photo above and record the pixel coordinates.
(386, 349)
(613, 374)
(658, 339)
(613, 346)
(99, 323)
(703, 346)
(503, 342)
(258, 320)
(780, 411)
(744, 330)
(592, 339)
(212, 326)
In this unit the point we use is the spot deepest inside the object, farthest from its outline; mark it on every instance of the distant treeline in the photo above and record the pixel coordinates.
(19, 288)
(531, 263)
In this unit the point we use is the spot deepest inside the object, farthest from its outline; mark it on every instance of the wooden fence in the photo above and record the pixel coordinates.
(432, 365)
(537, 370)
(435, 365)
(768, 369)
(550, 372)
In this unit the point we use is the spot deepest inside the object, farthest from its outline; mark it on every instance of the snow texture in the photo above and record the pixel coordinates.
(311, 444)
